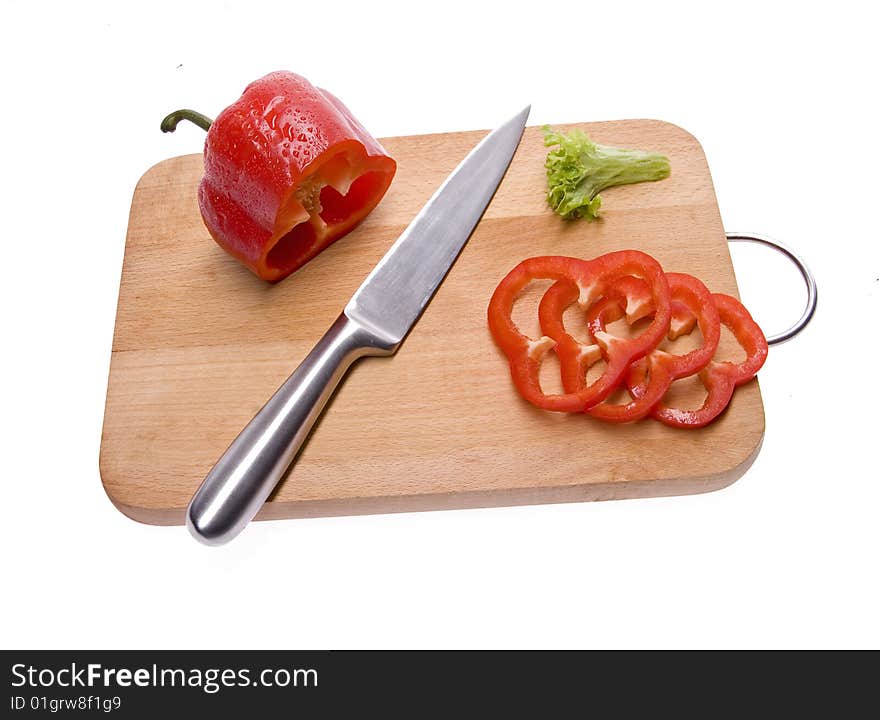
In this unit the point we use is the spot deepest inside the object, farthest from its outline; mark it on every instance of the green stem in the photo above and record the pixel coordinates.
(169, 124)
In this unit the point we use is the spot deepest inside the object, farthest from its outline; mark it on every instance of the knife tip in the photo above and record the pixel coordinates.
(522, 116)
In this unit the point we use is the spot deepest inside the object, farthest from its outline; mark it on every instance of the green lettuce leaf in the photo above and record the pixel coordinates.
(579, 169)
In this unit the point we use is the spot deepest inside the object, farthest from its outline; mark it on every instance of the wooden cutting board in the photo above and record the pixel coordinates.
(201, 343)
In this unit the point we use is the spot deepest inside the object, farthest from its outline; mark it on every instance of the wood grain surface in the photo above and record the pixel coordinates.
(201, 343)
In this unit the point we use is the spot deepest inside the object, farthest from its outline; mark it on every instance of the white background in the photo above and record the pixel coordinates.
(783, 99)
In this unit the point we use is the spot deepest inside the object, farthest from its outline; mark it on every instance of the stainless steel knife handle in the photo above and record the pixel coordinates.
(244, 477)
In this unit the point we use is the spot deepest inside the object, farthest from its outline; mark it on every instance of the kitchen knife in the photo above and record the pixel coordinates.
(375, 322)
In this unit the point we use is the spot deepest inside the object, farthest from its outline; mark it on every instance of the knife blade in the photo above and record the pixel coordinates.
(374, 322)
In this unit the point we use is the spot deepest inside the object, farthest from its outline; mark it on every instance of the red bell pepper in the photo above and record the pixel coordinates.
(630, 296)
(631, 284)
(588, 280)
(576, 358)
(719, 378)
(288, 171)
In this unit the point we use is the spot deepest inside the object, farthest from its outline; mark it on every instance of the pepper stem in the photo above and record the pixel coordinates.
(169, 124)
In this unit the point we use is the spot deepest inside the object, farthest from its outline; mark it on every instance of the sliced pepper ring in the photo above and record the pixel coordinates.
(691, 302)
(592, 279)
(575, 358)
(719, 378)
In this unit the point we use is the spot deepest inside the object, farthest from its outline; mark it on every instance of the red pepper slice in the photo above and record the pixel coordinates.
(719, 378)
(288, 171)
(576, 358)
(691, 303)
(592, 279)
